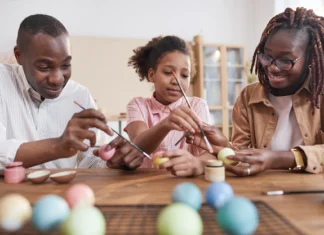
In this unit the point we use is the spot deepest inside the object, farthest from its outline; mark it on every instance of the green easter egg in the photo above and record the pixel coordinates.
(84, 220)
(179, 218)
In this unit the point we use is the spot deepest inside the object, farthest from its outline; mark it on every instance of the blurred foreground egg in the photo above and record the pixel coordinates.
(15, 211)
(49, 212)
(189, 194)
(179, 218)
(84, 220)
(218, 193)
(239, 216)
(79, 194)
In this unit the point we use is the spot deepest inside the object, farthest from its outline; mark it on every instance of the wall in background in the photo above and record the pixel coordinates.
(219, 21)
(101, 65)
(316, 5)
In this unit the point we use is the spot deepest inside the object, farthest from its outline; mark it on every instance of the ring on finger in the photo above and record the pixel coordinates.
(248, 171)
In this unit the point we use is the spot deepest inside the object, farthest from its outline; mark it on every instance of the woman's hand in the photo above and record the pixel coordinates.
(214, 136)
(259, 160)
(182, 163)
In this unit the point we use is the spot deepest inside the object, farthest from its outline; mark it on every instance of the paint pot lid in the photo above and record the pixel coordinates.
(13, 164)
(214, 163)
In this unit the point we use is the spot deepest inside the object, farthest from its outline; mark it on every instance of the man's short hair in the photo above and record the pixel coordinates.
(39, 23)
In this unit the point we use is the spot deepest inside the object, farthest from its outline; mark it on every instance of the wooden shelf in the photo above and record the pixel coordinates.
(235, 80)
(211, 80)
(116, 118)
(226, 63)
(215, 108)
(212, 65)
(236, 66)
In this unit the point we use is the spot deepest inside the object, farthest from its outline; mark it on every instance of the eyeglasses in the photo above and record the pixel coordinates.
(281, 63)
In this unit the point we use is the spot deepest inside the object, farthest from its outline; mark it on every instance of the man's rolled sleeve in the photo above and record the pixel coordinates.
(8, 150)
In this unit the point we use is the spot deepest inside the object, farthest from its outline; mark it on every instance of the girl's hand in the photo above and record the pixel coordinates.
(182, 163)
(259, 160)
(183, 119)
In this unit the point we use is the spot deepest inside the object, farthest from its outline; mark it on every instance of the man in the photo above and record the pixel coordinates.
(40, 125)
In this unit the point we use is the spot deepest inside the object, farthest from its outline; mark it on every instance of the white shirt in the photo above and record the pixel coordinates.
(24, 117)
(287, 134)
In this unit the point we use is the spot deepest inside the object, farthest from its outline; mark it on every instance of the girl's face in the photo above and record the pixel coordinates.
(167, 90)
(286, 45)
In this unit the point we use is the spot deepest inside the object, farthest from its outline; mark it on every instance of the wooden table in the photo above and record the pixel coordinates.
(150, 186)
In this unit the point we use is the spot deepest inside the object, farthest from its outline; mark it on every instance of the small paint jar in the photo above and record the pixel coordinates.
(14, 173)
(214, 171)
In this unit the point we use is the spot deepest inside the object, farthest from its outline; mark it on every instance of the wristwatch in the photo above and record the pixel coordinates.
(300, 165)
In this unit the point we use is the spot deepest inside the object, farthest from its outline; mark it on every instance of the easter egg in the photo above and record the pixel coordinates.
(238, 216)
(218, 193)
(189, 194)
(159, 159)
(15, 211)
(106, 154)
(224, 153)
(49, 212)
(179, 218)
(79, 194)
(84, 220)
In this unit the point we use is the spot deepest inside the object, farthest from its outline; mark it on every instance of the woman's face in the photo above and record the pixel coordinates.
(286, 44)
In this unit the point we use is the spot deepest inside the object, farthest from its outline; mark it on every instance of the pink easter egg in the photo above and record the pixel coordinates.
(104, 154)
(79, 194)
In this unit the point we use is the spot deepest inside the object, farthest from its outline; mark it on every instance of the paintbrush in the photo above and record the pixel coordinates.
(210, 149)
(184, 135)
(281, 192)
(134, 145)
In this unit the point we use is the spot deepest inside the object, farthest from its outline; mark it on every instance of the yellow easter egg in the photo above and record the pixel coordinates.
(15, 211)
(158, 161)
(224, 153)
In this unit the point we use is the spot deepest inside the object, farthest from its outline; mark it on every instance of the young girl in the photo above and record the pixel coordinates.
(276, 121)
(157, 123)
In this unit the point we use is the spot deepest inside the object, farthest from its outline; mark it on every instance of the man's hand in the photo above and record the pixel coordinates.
(77, 131)
(125, 157)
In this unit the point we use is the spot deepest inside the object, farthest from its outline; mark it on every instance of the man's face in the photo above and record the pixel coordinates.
(46, 61)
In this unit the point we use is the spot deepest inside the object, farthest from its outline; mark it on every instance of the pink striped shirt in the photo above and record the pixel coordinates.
(150, 111)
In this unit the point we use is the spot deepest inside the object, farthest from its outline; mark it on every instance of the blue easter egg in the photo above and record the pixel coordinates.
(49, 212)
(188, 194)
(218, 193)
(239, 216)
